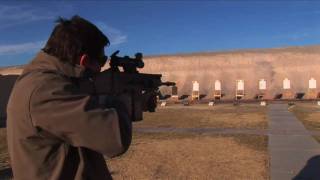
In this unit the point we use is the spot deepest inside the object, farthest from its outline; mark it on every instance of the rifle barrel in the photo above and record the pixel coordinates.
(168, 83)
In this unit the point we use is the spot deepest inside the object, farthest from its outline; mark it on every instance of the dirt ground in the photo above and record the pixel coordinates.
(173, 155)
(197, 156)
(193, 157)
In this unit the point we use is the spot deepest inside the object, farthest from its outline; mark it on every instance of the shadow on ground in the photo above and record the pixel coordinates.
(311, 170)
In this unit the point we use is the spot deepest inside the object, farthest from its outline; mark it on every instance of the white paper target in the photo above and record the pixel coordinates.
(217, 85)
(312, 83)
(262, 84)
(286, 83)
(240, 85)
(195, 86)
(163, 104)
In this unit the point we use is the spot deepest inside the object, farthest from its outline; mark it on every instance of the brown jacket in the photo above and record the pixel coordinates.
(57, 132)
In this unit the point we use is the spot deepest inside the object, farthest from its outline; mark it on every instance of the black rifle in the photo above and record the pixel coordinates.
(143, 88)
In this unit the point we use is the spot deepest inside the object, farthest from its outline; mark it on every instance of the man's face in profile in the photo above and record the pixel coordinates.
(93, 64)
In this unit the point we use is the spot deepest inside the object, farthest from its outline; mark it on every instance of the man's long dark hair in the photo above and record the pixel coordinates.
(72, 38)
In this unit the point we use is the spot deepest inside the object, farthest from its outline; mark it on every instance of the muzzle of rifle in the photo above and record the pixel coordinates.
(168, 83)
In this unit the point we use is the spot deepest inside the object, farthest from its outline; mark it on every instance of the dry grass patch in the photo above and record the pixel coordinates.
(308, 114)
(3, 140)
(189, 155)
(246, 116)
(317, 138)
(4, 157)
(179, 156)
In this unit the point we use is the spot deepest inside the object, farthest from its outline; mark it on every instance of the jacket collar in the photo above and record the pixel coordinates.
(44, 61)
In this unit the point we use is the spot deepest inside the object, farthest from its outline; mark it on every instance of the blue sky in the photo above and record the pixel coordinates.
(163, 27)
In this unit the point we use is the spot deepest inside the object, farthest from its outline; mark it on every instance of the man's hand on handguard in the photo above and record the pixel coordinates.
(122, 104)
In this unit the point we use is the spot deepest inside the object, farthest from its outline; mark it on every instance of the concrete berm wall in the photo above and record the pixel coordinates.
(298, 64)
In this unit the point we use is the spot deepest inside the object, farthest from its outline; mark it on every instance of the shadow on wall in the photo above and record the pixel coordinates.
(311, 170)
(6, 85)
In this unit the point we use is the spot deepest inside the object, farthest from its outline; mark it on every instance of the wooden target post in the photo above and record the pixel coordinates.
(195, 95)
(174, 93)
(312, 90)
(240, 89)
(217, 90)
(262, 89)
(287, 93)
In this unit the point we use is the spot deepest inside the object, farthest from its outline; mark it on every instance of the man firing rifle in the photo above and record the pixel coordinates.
(57, 125)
